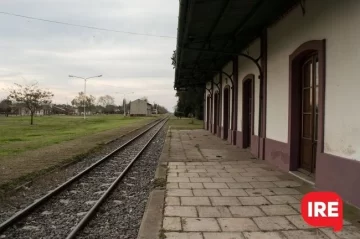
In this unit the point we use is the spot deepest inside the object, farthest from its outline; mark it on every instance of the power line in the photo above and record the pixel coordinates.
(84, 26)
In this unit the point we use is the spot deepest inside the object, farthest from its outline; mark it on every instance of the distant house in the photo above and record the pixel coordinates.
(155, 111)
(80, 111)
(149, 109)
(140, 108)
(22, 110)
(63, 109)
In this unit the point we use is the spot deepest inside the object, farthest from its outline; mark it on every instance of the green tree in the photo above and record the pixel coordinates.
(110, 109)
(5, 107)
(31, 96)
(173, 59)
(106, 100)
(79, 101)
(190, 102)
(160, 109)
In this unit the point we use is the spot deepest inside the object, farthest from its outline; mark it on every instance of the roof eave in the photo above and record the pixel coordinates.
(185, 12)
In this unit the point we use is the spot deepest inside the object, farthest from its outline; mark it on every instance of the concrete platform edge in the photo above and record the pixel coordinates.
(161, 169)
(152, 219)
(151, 223)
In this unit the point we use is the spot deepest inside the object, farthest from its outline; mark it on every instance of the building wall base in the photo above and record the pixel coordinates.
(239, 141)
(219, 131)
(233, 137)
(340, 175)
(278, 154)
(229, 138)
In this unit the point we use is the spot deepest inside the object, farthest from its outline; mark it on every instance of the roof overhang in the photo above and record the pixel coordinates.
(212, 32)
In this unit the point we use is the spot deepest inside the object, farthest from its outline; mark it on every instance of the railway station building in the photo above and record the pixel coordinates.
(280, 78)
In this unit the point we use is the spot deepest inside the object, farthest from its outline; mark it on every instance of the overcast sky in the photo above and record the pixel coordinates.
(31, 50)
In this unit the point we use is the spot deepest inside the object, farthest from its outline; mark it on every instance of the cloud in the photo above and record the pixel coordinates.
(48, 53)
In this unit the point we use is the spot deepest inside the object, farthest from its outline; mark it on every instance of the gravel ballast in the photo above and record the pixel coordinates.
(120, 216)
(56, 217)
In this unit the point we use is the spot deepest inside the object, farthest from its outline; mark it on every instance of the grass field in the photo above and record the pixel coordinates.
(28, 151)
(18, 136)
(185, 123)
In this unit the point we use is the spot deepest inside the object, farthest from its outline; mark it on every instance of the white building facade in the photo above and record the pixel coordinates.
(140, 108)
(297, 108)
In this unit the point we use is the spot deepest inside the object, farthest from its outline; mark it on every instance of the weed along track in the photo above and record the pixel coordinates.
(65, 211)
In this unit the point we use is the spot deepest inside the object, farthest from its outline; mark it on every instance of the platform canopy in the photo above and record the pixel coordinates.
(210, 32)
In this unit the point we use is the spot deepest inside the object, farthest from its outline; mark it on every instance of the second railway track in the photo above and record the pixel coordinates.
(65, 211)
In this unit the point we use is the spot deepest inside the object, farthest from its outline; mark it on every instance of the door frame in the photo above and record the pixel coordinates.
(244, 123)
(216, 111)
(226, 131)
(294, 130)
(208, 112)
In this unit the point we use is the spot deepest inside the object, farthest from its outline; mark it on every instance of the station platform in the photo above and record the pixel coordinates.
(217, 191)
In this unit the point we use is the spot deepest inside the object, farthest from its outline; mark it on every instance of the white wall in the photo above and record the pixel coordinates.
(229, 70)
(138, 107)
(248, 67)
(338, 23)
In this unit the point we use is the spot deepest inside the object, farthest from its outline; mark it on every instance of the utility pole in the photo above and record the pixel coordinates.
(124, 106)
(124, 100)
(85, 79)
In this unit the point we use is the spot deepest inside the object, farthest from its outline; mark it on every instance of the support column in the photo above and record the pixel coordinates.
(231, 109)
(263, 89)
(204, 111)
(235, 100)
(220, 128)
(212, 107)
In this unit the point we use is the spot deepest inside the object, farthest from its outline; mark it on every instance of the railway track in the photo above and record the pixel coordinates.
(66, 210)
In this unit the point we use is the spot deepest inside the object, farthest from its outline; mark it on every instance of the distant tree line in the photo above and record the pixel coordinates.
(104, 104)
(160, 109)
(31, 100)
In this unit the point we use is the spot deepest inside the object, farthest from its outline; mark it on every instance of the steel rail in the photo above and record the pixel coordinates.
(24, 212)
(92, 211)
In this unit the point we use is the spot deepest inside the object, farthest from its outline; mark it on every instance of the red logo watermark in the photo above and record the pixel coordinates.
(323, 209)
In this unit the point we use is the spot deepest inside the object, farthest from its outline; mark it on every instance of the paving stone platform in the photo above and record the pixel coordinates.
(217, 191)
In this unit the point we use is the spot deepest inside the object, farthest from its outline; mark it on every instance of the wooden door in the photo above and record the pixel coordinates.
(309, 114)
(247, 112)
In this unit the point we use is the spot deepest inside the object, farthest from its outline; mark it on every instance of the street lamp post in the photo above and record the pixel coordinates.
(124, 104)
(85, 79)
